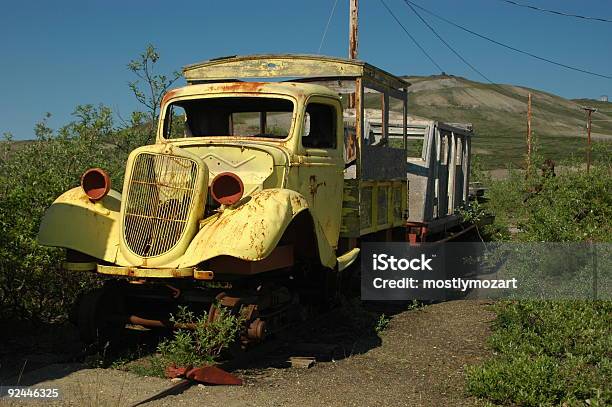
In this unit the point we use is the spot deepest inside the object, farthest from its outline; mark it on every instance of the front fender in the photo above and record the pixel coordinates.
(76, 223)
(253, 229)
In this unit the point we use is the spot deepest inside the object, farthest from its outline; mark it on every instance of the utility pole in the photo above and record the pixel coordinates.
(353, 28)
(528, 134)
(353, 39)
(589, 111)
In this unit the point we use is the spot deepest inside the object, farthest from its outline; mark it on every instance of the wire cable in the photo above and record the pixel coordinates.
(478, 101)
(327, 26)
(499, 88)
(447, 44)
(411, 37)
(559, 13)
(550, 61)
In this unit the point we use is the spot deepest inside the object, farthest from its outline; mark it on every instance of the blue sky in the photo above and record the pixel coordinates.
(58, 54)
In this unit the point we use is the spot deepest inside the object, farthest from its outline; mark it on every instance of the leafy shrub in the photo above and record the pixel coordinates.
(382, 323)
(202, 345)
(549, 353)
(33, 174)
(32, 283)
(575, 206)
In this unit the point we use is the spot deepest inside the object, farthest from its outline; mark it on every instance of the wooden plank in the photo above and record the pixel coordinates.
(383, 163)
(302, 362)
(322, 352)
(399, 203)
(289, 66)
(359, 122)
(339, 85)
(366, 199)
(270, 66)
(385, 117)
(384, 205)
(349, 227)
(380, 208)
(390, 88)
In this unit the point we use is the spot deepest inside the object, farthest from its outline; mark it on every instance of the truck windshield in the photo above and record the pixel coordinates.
(229, 116)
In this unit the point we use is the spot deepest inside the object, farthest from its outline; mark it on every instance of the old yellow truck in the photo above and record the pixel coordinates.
(255, 195)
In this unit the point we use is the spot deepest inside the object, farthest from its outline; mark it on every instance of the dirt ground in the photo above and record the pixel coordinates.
(419, 360)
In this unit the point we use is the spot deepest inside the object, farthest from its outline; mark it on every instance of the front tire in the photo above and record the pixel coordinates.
(98, 316)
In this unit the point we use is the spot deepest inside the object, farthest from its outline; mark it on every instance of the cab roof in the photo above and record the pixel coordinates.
(296, 90)
(296, 66)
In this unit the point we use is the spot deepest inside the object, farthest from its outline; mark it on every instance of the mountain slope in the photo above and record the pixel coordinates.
(499, 116)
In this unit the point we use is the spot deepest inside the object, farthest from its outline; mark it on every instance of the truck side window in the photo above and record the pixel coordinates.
(320, 126)
(176, 123)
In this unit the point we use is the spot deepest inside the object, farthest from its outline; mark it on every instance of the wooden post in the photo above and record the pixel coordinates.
(353, 31)
(359, 120)
(589, 111)
(385, 120)
(353, 28)
(528, 134)
(263, 118)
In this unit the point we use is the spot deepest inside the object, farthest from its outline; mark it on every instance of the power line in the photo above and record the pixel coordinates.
(458, 55)
(411, 37)
(559, 13)
(327, 26)
(446, 43)
(478, 101)
(573, 68)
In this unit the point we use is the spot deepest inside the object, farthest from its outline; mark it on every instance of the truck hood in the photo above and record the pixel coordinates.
(253, 162)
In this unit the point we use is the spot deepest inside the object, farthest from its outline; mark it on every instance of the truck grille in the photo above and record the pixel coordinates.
(159, 199)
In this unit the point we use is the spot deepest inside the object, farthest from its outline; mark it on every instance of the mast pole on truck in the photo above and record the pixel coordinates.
(353, 28)
(353, 41)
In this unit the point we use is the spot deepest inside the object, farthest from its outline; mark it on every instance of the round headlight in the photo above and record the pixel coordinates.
(226, 188)
(95, 183)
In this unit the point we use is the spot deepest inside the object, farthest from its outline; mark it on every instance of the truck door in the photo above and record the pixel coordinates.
(321, 166)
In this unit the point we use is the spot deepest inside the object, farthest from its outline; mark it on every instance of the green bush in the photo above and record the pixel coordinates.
(382, 324)
(573, 206)
(34, 173)
(32, 283)
(203, 345)
(548, 353)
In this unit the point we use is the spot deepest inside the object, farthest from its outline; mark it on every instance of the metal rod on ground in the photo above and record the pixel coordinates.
(589, 110)
(528, 134)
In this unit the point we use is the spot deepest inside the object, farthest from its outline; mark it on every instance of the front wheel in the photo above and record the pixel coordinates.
(96, 316)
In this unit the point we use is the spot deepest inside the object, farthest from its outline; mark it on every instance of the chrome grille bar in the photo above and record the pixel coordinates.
(159, 200)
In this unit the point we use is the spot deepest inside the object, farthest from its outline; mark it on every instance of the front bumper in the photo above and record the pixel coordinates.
(130, 271)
